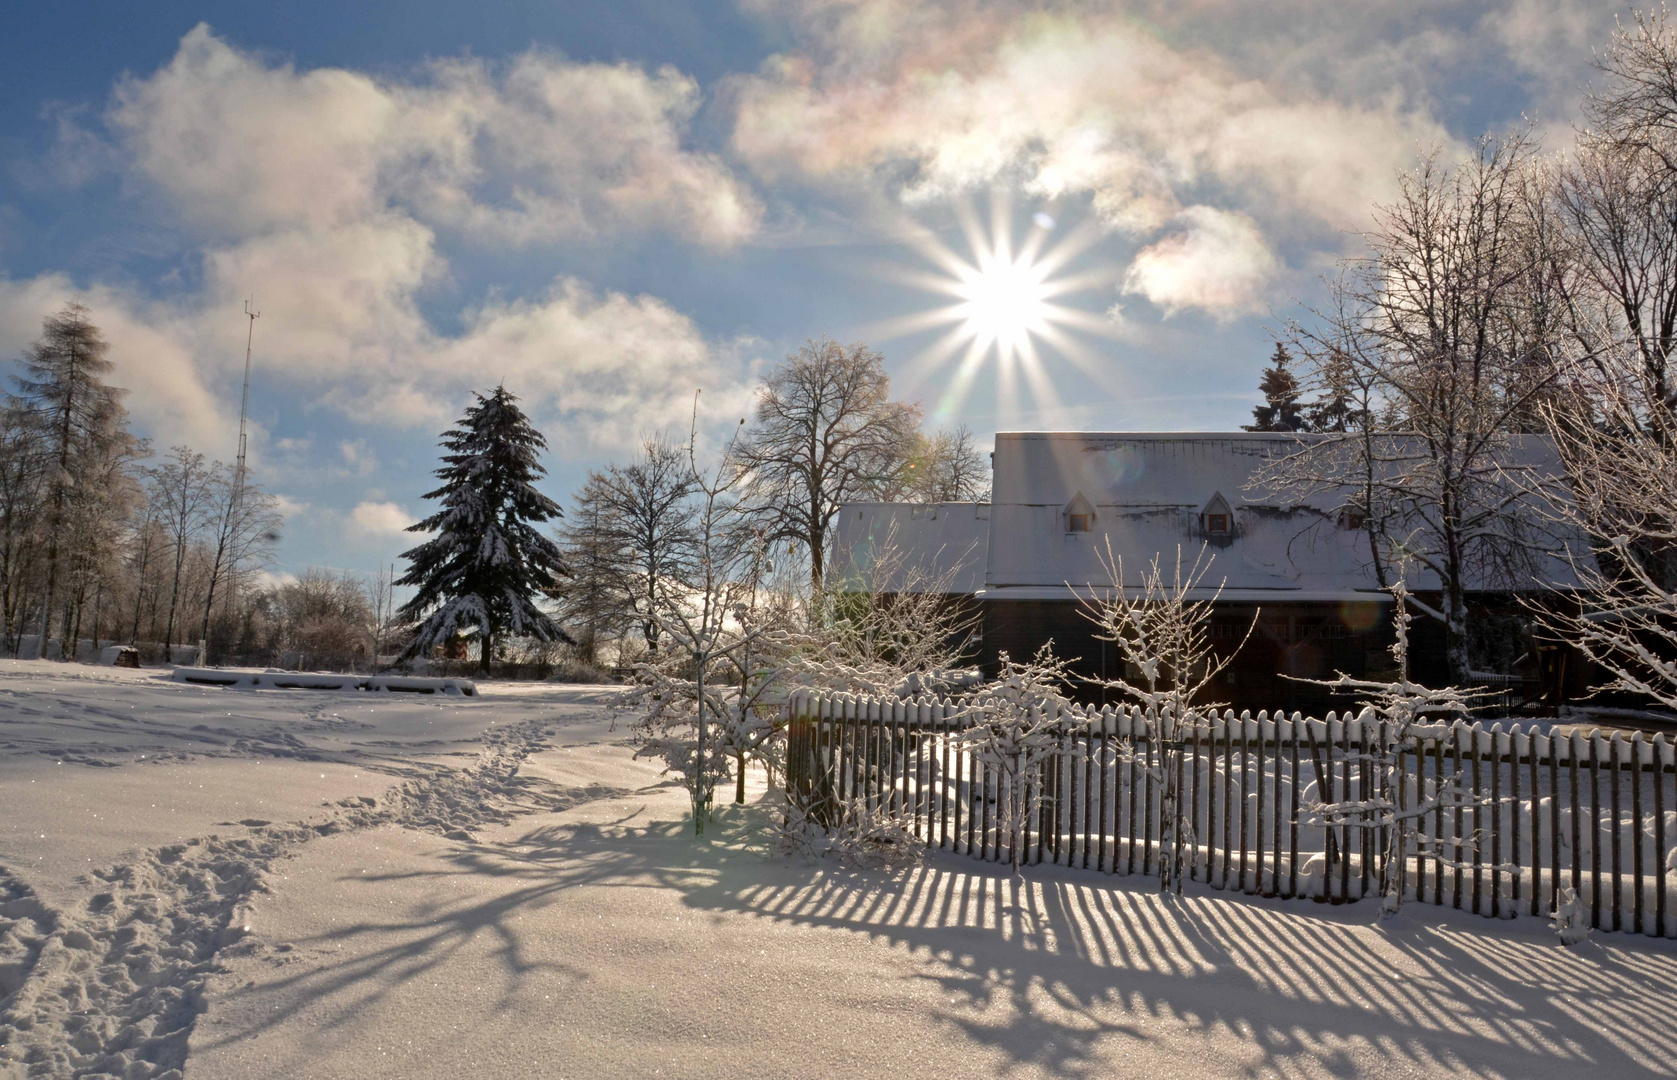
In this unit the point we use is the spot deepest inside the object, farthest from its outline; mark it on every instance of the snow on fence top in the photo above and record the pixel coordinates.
(296, 680)
(1129, 722)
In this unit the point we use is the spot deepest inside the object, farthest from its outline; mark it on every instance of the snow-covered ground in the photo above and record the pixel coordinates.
(241, 883)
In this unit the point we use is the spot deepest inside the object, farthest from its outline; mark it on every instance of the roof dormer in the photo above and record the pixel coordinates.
(1217, 517)
(1078, 516)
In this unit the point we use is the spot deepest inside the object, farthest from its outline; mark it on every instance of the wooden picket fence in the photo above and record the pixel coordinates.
(1595, 812)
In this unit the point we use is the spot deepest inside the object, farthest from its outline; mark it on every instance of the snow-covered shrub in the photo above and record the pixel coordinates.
(794, 832)
(875, 838)
(1570, 920)
(1408, 710)
(1017, 723)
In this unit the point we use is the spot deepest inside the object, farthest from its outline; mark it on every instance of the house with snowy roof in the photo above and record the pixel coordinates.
(1298, 570)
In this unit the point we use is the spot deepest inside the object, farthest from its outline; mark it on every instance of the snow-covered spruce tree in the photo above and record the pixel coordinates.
(1164, 644)
(1017, 723)
(488, 562)
(1281, 410)
(1401, 710)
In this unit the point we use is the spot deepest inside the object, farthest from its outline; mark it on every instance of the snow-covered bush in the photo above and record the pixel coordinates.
(1570, 920)
(1407, 710)
(865, 837)
(1015, 724)
(875, 838)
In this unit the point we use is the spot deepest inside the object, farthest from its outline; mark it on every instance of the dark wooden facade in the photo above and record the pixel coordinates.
(1290, 642)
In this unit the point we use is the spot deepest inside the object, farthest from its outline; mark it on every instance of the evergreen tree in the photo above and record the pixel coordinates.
(1280, 411)
(80, 427)
(488, 562)
(1342, 404)
(592, 600)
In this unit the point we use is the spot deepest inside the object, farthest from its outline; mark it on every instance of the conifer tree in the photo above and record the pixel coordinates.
(1280, 411)
(79, 426)
(488, 562)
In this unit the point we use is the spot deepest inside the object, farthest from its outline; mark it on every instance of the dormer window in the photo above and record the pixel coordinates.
(1217, 517)
(1078, 515)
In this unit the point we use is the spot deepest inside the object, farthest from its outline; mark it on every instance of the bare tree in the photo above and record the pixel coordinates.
(1619, 197)
(1163, 640)
(827, 433)
(649, 517)
(23, 489)
(246, 522)
(1621, 464)
(1438, 323)
(948, 467)
(181, 491)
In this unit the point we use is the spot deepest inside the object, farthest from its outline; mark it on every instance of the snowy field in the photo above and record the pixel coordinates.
(237, 883)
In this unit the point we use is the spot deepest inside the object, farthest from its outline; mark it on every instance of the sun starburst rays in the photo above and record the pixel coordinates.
(1006, 303)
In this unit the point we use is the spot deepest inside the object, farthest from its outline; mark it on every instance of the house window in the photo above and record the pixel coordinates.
(1353, 519)
(1217, 523)
(1077, 523)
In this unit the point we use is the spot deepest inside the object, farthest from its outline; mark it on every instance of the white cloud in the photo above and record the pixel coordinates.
(1217, 262)
(948, 97)
(541, 149)
(324, 193)
(289, 507)
(379, 520)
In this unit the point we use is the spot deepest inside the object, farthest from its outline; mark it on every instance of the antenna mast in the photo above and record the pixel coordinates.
(244, 401)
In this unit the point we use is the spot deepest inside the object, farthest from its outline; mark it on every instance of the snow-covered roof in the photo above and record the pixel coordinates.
(911, 547)
(1153, 492)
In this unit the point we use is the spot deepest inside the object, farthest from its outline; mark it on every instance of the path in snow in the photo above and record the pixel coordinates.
(104, 973)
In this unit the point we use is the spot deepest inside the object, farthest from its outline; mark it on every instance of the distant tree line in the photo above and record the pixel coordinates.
(103, 542)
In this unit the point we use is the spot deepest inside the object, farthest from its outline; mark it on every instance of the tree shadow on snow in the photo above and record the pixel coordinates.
(1061, 970)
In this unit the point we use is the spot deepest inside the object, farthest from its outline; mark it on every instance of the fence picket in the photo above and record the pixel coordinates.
(1496, 827)
(1660, 859)
(1293, 816)
(1345, 796)
(1595, 831)
(1108, 818)
(1258, 883)
(1636, 829)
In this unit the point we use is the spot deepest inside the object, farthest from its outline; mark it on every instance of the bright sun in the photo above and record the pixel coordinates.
(1004, 304)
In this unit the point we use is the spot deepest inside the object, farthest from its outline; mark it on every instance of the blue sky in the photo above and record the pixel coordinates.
(612, 205)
